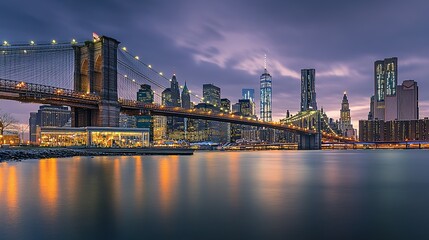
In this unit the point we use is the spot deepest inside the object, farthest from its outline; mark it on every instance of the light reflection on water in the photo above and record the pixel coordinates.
(218, 195)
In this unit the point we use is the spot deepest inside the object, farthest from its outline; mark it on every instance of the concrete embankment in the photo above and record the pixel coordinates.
(18, 154)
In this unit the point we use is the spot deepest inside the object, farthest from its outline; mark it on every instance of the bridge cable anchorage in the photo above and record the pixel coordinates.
(148, 66)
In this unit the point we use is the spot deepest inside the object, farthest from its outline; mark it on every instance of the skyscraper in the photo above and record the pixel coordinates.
(32, 122)
(308, 90)
(145, 95)
(225, 104)
(345, 110)
(385, 82)
(211, 94)
(246, 107)
(371, 108)
(408, 100)
(186, 98)
(171, 98)
(266, 96)
(345, 124)
(248, 93)
(167, 97)
(175, 93)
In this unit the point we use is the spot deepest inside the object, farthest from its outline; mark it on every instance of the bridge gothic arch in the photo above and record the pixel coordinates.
(84, 85)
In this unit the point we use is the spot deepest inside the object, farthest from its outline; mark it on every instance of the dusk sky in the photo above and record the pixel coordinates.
(224, 42)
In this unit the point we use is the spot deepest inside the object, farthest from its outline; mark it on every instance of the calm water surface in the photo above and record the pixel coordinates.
(381, 194)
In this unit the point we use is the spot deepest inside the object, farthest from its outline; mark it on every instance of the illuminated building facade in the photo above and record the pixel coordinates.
(248, 93)
(211, 94)
(207, 130)
(246, 108)
(393, 131)
(145, 95)
(266, 96)
(345, 124)
(225, 104)
(126, 121)
(308, 89)
(385, 85)
(101, 137)
(186, 97)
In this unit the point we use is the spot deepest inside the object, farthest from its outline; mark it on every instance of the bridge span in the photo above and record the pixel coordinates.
(93, 92)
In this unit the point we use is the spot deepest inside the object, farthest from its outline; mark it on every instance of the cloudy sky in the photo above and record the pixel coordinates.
(224, 42)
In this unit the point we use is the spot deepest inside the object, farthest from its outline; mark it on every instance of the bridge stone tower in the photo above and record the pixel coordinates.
(96, 72)
(311, 141)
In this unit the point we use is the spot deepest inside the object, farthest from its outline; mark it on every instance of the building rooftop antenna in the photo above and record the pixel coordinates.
(265, 61)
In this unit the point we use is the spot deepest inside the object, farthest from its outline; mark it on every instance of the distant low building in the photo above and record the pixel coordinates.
(393, 131)
(48, 116)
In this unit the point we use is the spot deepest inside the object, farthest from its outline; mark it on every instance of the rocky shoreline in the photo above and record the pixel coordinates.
(18, 154)
(22, 154)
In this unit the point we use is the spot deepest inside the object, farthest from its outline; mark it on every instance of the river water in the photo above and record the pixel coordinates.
(359, 194)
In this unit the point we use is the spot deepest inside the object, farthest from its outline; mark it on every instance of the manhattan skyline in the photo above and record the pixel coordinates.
(224, 43)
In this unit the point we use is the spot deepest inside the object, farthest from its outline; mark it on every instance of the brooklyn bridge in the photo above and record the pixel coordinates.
(98, 79)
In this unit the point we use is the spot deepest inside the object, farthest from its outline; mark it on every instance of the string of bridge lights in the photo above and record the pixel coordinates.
(161, 74)
(33, 43)
(133, 80)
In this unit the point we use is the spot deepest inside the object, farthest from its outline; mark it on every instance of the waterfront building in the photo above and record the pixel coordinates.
(266, 96)
(371, 130)
(102, 137)
(211, 95)
(159, 129)
(308, 89)
(408, 100)
(394, 131)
